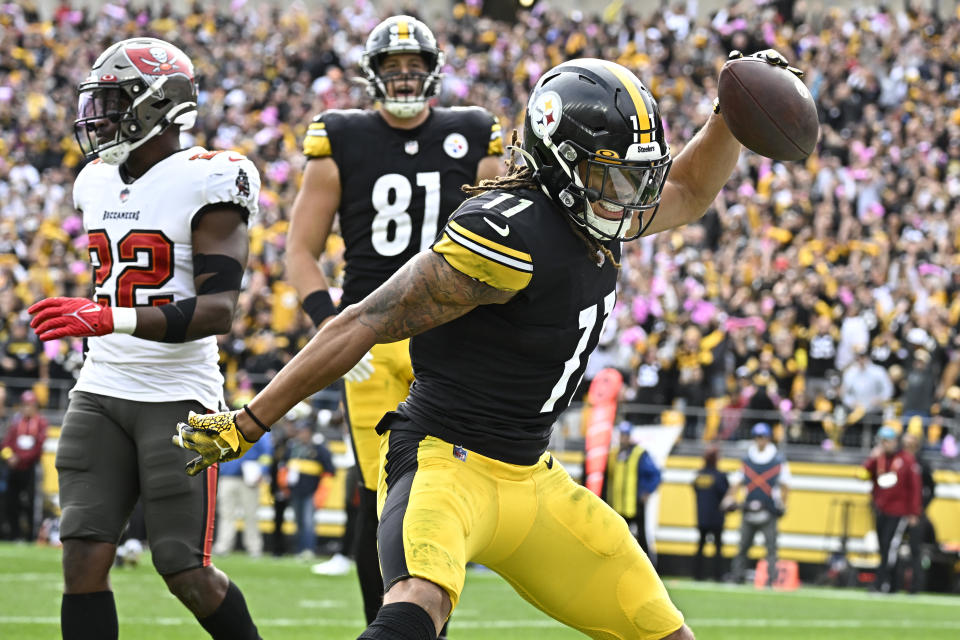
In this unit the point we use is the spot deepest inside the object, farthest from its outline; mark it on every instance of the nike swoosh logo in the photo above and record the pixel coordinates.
(503, 231)
(235, 159)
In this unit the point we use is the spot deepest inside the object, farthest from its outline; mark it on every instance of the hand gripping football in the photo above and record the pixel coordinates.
(768, 109)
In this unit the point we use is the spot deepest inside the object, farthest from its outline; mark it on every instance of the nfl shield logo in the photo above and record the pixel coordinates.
(411, 147)
(124, 195)
(459, 453)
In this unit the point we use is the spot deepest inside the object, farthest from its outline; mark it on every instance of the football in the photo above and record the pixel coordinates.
(768, 109)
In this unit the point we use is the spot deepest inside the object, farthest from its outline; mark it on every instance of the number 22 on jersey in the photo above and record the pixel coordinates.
(151, 247)
(391, 198)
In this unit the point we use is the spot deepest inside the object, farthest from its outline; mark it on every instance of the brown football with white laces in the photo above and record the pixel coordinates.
(768, 109)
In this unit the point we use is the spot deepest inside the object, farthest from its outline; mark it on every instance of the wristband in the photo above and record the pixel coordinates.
(124, 319)
(319, 306)
(259, 422)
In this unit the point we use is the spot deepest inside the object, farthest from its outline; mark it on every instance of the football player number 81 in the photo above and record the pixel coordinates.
(393, 226)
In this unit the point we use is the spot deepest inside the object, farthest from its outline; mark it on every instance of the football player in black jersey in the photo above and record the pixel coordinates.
(394, 175)
(505, 310)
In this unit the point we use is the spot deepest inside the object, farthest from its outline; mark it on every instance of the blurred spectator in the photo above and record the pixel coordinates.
(281, 435)
(632, 476)
(4, 469)
(342, 559)
(20, 451)
(896, 501)
(919, 386)
(922, 535)
(308, 462)
(238, 496)
(765, 476)
(865, 389)
(20, 357)
(710, 486)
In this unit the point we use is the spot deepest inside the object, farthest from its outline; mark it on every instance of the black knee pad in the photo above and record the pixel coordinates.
(173, 556)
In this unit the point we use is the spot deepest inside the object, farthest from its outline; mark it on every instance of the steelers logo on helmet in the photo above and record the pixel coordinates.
(403, 92)
(545, 110)
(594, 138)
(135, 90)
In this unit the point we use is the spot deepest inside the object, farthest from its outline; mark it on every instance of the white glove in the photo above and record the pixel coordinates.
(362, 370)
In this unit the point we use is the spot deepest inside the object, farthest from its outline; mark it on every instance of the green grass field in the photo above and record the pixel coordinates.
(291, 604)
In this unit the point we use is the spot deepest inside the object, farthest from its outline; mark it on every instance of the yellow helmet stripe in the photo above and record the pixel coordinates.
(403, 29)
(644, 117)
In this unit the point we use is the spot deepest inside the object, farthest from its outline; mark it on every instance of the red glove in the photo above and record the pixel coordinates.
(60, 317)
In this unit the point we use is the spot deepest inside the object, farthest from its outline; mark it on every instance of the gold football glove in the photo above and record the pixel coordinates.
(214, 436)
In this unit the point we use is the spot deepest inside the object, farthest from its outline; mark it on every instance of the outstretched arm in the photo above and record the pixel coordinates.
(697, 175)
(425, 293)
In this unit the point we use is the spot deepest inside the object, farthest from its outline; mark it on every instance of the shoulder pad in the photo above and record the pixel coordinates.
(316, 142)
(480, 242)
(229, 177)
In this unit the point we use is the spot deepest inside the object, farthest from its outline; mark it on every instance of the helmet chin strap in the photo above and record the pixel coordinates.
(119, 153)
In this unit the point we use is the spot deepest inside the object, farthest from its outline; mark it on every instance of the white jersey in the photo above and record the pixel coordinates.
(142, 254)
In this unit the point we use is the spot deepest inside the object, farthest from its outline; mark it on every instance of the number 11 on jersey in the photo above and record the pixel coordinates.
(588, 320)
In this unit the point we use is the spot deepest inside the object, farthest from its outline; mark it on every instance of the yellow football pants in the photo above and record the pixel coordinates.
(367, 401)
(559, 545)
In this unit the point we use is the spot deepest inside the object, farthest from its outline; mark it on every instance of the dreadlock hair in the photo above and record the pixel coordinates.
(520, 176)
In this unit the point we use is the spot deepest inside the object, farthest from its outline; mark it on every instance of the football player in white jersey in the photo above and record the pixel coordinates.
(168, 242)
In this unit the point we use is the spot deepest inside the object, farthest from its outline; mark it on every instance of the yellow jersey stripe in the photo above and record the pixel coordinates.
(317, 125)
(644, 117)
(495, 147)
(317, 145)
(490, 244)
(482, 268)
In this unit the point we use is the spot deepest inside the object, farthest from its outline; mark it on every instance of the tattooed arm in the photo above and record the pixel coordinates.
(425, 293)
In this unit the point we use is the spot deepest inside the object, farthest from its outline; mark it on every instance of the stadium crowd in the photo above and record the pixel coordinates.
(799, 280)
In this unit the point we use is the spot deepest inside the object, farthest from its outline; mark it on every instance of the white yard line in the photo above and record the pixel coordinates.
(740, 623)
(820, 593)
(289, 622)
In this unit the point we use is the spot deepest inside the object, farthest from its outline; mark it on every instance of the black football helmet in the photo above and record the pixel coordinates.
(141, 86)
(401, 34)
(593, 134)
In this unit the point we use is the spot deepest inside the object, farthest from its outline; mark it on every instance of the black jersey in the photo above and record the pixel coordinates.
(398, 187)
(495, 380)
